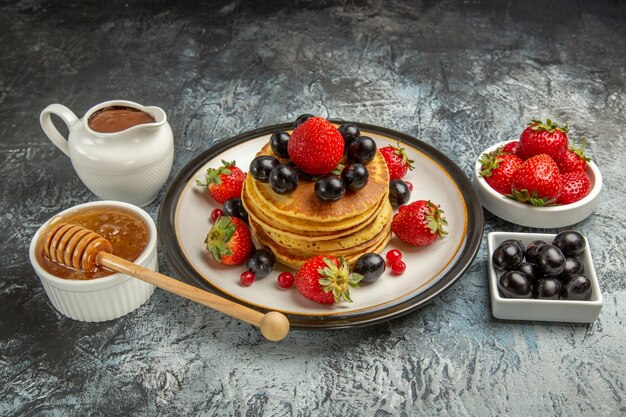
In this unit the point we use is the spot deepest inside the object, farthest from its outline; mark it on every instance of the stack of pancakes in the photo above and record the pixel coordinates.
(299, 226)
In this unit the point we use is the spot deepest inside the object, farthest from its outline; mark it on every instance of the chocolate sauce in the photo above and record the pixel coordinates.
(117, 118)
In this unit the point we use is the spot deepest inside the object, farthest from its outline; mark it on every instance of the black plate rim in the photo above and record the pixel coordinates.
(475, 228)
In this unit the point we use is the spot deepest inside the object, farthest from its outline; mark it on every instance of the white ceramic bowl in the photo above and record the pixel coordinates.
(531, 216)
(105, 298)
(542, 310)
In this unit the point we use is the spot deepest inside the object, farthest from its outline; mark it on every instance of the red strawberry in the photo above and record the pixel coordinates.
(326, 280)
(512, 147)
(576, 186)
(419, 223)
(546, 138)
(316, 146)
(498, 169)
(224, 182)
(397, 161)
(229, 241)
(574, 159)
(537, 181)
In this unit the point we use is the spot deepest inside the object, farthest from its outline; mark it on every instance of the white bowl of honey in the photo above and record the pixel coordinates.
(100, 295)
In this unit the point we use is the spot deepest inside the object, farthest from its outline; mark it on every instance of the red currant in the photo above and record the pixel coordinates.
(247, 278)
(408, 184)
(215, 214)
(285, 280)
(398, 267)
(393, 256)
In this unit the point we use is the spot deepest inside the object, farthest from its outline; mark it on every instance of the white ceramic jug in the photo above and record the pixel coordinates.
(131, 165)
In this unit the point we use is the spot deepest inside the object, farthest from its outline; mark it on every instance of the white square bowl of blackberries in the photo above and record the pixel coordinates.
(543, 277)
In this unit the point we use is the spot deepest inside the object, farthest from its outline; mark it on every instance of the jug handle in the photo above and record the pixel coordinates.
(51, 131)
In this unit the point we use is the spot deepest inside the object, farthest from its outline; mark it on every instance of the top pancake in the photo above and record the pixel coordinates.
(302, 203)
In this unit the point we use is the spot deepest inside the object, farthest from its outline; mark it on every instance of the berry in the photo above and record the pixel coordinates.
(550, 260)
(361, 150)
(537, 181)
(224, 182)
(574, 159)
(572, 267)
(399, 193)
(576, 186)
(261, 166)
(247, 278)
(371, 266)
(543, 138)
(420, 223)
(229, 241)
(398, 267)
(398, 163)
(514, 284)
(215, 214)
(516, 242)
(349, 132)
(261, 263)
(279, 141)
(578, 287)
(392, 256)
(329, 188)
(283, 179)
(285, 280)
(511, 147)
(498, 169)
(532, 271)
(531, 250)
(234, 208)
(301, 119)
(571, 243)
(316, 146)
(507, 256)
(355, 176)
(547, 289)
(326, 280)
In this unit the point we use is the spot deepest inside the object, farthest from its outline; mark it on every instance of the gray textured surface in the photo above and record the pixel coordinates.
(459, 75)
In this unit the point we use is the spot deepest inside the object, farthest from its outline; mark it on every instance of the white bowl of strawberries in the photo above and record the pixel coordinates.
(539, 180)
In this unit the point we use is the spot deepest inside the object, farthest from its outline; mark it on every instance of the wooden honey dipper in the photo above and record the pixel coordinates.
(84, 250)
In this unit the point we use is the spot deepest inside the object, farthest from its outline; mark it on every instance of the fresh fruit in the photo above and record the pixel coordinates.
(576, 186)
(507, 256)
(285, 280)
(517, 242)
(399, 193)
(547, 289)
(531, 270)
(229, 241)
(419, 223)
(514, 284)
(234, 208)
(316, 146)
(349, 132)
(498, 169)
(261, 263)
(570, 242)
(329, 188)
(279, 142)
(261, 166)
(224, 182)
(537, 181)
(398, 267)
(543, 138)
(247, 278)
(361, 150)
(398, 162)
(326, 280)
(354, 176)
(215, 214)
(301, 119)
(578, 287)
(392, 256)
(550, 260)
(283, 179)
(572, 267)
(409, 184)
(371, 266)
(511, 147)
(531, 250)
(574, 159)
